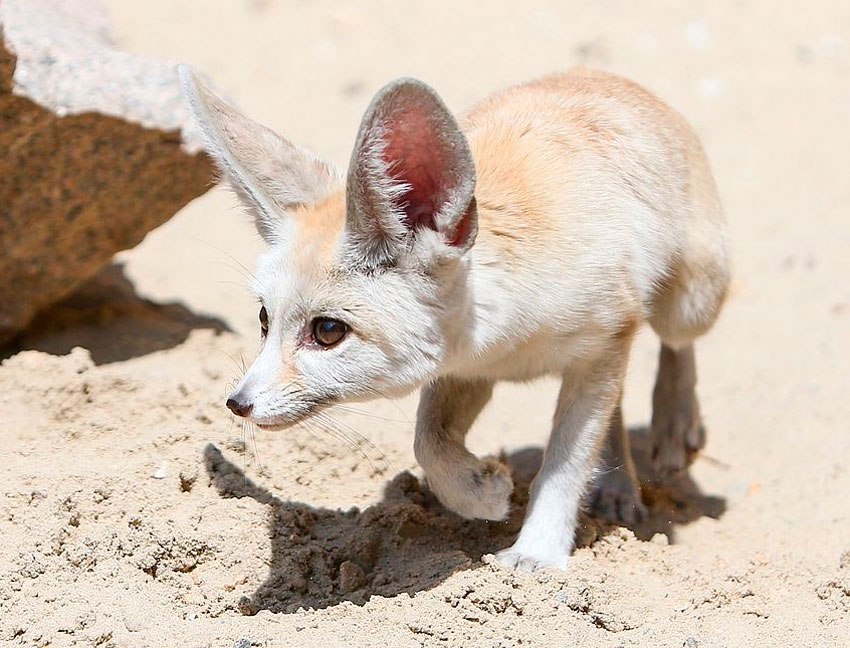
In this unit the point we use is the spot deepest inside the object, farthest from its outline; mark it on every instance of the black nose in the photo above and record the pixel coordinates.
(238, 407)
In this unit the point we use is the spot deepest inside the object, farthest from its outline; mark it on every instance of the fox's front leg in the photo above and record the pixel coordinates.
(585, 405)
(461, 481)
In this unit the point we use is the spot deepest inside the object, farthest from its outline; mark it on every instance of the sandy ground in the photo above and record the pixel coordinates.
(135, 512)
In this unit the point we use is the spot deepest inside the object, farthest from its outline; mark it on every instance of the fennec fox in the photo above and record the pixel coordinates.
(530, 238)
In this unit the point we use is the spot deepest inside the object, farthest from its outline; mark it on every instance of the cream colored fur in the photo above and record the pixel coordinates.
(555, 219)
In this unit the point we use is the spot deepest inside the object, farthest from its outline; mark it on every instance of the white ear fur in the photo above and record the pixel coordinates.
(270, 174)
(411, 169)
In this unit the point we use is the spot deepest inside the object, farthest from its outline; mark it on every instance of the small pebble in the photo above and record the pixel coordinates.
(161, 472)
(660, 539)
(133, 623)
(246, 607)
(187, 479)
(351, 577)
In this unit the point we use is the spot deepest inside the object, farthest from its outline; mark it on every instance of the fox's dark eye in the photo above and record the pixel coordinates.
(328, 332)
(264, 321)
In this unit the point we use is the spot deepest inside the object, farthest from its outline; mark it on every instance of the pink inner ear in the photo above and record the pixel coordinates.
(415, 153)
(464, 226)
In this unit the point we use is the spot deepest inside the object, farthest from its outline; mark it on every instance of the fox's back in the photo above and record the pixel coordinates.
(585, 172)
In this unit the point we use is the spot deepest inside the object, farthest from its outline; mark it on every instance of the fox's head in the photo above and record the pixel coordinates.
(364, 283)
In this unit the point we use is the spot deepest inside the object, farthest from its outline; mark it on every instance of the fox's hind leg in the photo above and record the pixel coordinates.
(686, 307)
(676, 433)
(616, 494)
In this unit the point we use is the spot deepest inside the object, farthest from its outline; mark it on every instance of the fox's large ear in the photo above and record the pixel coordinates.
(268, 173)
(411, 170)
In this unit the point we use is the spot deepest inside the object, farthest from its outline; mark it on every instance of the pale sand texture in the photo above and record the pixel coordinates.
(121, 527)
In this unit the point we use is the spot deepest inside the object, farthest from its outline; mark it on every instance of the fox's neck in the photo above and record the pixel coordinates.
(478, 313)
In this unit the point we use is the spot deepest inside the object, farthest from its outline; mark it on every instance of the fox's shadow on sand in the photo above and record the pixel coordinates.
(408, 542)
(107, 317)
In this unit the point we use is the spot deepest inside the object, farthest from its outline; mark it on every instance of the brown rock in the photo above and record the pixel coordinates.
(93, 152)
(351, 577)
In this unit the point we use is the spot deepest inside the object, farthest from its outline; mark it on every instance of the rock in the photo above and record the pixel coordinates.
(95, 151)
(660, 539)
(188, 477)
(161, 472)
(134, 622)
(351, 577)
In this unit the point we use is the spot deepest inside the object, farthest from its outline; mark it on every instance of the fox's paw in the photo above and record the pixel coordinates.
(617, 498)
(531, 559)
(677, 435)
(478, 489)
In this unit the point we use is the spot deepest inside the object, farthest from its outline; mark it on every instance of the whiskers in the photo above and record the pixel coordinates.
(324, 422)
(247, 429)
(255, 452)
(353, 410)
(379, 394)
(240, 365)
(233, 263)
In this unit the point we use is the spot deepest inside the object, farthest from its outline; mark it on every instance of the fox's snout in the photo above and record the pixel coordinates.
(239, 405)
